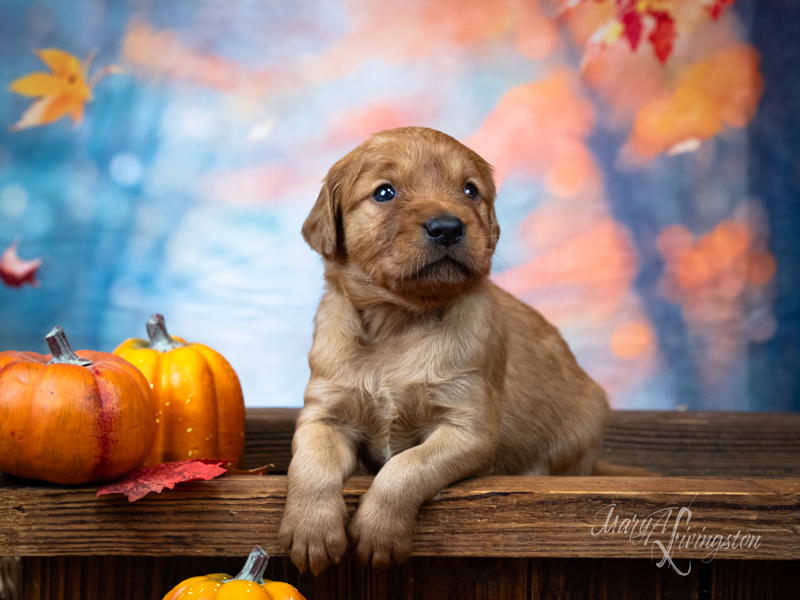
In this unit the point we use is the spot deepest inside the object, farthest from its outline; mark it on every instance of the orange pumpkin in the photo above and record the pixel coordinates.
(249, 584)
(75, 417)
(200, 409)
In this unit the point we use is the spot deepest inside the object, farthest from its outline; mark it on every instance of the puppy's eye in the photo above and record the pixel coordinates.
(384, 193)
(471, 191)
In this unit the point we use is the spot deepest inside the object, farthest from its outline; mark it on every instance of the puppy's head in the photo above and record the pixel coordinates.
(410, 212)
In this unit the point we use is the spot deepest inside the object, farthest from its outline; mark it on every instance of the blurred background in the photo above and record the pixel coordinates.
(648, 197)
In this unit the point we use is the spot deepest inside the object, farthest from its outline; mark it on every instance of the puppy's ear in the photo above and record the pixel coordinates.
(494, 229)
(322, 227)
(487, 173)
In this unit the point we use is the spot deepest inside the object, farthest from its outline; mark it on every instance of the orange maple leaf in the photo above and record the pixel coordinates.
(63, 92)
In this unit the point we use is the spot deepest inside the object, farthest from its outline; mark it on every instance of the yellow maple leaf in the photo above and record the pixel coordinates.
(62, 92)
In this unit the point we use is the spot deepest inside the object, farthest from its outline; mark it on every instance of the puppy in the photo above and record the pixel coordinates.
(423, 371)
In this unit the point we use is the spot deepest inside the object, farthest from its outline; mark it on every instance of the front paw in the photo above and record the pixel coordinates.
(381, 534)
(313, 532)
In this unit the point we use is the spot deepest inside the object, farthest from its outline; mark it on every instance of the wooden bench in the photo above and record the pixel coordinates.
(488, 537)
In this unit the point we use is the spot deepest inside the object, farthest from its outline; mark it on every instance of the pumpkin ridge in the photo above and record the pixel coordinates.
(229, 404)
(213, 405)
(102, 425)
(48, 434)
(158, 443)
(30, 450)
(120, 425)
(162, 397)
(24, 431)
(199, 408)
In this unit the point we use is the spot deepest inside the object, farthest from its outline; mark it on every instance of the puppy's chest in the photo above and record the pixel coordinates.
(396, 416)
(397, 380)
(399, 404)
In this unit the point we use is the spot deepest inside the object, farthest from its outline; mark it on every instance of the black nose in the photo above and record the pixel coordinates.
(445, 230)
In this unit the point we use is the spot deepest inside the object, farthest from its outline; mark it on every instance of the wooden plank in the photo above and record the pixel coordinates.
(718, 444)
(617, 579)
(422, 578)
(268, 437)
(710, 444)
(425, 578)
(743, 579)
(488, 516)
(132, 577)
(150, 578)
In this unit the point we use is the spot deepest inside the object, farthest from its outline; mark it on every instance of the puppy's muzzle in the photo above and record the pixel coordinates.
(445, 230)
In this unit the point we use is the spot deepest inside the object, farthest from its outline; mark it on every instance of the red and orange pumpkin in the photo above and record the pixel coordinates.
(73, 417)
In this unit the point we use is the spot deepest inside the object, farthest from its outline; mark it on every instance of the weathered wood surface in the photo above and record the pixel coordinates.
(488, 516)
(715, 444)
(268, 437)
(149, 578)
(494, 538)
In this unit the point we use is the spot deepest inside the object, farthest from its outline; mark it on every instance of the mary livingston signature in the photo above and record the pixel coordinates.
(639, 529)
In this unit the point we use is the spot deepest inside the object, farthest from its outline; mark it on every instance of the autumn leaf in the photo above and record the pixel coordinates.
(633, 18)
(632, 26)
(663, 35)
(64, 91)
(603, 37)
(715, 7)
(16, 272)
(140, 482)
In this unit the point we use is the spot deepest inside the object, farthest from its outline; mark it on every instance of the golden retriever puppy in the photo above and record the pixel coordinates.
(423, 371)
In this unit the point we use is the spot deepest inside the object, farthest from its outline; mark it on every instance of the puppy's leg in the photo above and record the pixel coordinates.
(313, 522)
(383, 526)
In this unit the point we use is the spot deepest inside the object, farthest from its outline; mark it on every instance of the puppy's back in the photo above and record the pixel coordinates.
(554, 414)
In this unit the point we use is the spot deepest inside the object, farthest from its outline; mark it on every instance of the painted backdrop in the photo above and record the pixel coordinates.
(647, 197)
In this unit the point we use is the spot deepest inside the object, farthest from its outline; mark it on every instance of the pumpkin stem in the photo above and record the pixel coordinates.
(62, 353)
(159, 338)
(253, 569)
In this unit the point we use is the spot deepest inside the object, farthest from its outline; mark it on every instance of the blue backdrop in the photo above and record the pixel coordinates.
(648, 209)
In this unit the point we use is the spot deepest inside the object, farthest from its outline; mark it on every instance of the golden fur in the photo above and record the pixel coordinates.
(422, 370)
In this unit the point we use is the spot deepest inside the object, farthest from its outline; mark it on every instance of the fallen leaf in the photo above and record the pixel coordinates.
(140, 482)
(15, 271)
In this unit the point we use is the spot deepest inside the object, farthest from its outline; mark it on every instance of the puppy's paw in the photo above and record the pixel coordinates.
(380, 535)
(313, 533)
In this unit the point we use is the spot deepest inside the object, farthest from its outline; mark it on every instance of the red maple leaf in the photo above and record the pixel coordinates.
(140, 482)
(632, 26)
(715, 7)
(632, 18)
(16, 272)
(663, 35)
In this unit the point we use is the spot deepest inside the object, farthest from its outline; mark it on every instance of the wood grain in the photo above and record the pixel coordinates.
(711, 444)
(423, 578)
(496, 538)
(268, 437)
(532, 516)
(718, 444)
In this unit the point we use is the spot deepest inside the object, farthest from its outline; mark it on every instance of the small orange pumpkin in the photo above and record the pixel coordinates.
(75, 417)
(249, 584)
(200, 408)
